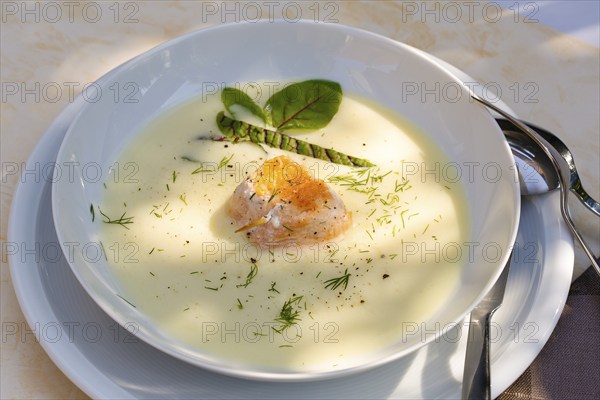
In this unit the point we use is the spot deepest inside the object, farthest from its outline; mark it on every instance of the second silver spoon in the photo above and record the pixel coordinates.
(562, 169)
(537, 171)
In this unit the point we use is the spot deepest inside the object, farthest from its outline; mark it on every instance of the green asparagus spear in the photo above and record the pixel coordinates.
(238, 131)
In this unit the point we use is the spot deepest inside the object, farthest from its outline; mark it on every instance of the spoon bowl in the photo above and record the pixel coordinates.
(537, 173)
(564, 167)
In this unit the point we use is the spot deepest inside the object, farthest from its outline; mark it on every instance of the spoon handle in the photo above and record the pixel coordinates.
(575, 183)
(563, 175)
(585, 198)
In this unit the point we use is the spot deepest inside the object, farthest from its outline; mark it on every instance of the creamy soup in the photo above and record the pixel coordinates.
(208, 287)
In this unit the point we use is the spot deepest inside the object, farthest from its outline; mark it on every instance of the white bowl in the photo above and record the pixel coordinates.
(364, 63)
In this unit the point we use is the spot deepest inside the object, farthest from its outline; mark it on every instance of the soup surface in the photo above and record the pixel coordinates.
(291, 308)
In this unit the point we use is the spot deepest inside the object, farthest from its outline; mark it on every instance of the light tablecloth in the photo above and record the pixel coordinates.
(547, 77)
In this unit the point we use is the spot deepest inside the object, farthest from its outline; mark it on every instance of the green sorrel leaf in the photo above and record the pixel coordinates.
(232, 96)
(304, 106)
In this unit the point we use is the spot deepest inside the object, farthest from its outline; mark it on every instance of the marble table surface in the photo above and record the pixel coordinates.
(548, 77)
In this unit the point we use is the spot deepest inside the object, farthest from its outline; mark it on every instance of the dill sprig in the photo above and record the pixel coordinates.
(125, 300)
(273, 288)
(250, 277)
(275, 193)
(122, 220)
(334, 283)
(224, 162)
(385, 196)
(203, 168)
(190, 159)
(288, 315)
(103, 250)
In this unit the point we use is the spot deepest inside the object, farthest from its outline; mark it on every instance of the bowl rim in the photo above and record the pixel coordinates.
(222, 366)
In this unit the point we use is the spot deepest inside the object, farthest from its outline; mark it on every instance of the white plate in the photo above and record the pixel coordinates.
(106, 362)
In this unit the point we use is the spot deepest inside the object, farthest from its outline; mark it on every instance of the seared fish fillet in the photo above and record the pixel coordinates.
(282, 204)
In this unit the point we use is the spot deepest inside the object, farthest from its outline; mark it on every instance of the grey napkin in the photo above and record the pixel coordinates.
(568, 367)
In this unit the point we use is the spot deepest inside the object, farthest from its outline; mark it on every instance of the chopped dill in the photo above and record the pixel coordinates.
(273, 288)
(200, 170)
(151, 273)
(251, 275)
(402, 217)
(168, 188)
(174, 176)
(253, 194)
(103, 250)
(401, 187)
(275, 193)
(211, 288)
(224, 162)
(288, 228)
(186, 158)
(288, 316)
(240, 305)
(185, 309)
(193, 272)
(122, 220)
(92, 212)
(125, 300)
(425, 230)
(333, 252)
(151, 251)
(334, 283)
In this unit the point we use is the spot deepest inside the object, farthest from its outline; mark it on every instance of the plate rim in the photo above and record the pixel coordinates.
(94, 388)
(70, 112)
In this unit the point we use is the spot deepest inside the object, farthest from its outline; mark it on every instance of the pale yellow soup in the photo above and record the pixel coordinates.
(182, 264)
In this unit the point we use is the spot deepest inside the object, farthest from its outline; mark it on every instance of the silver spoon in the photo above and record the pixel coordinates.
(536, 169)
(560, 166)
